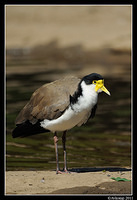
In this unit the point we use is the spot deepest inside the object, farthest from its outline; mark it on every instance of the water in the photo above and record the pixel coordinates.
(103, 141)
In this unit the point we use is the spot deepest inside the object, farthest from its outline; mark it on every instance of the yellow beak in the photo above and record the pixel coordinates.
(100, 85)
(105, 90)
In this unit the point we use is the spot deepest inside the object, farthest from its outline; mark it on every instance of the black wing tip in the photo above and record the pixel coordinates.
(14, 134)
(27, 129)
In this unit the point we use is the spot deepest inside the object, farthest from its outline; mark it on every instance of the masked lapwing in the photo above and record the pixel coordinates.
(60, 106)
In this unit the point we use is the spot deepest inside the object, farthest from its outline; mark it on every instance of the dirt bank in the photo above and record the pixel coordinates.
(48, 182)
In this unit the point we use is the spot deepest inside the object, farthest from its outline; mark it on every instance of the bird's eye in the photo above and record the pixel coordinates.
(94, 82)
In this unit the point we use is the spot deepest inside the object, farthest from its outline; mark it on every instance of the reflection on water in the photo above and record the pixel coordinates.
(103, 141)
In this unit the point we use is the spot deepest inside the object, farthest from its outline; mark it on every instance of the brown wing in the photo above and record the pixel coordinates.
(49, 101)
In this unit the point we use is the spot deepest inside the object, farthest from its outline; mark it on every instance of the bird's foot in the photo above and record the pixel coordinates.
(63, 172)
(66, 171)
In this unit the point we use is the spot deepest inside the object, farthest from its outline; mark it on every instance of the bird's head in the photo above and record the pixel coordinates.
(97, 80)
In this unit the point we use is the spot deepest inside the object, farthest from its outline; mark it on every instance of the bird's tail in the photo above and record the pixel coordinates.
(27, 128)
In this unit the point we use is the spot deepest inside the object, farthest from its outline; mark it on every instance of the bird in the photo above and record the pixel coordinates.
(58, 107)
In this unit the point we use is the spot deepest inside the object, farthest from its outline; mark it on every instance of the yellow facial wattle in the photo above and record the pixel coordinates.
(100, 85)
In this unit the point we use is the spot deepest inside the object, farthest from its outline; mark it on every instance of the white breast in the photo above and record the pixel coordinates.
(77, 113)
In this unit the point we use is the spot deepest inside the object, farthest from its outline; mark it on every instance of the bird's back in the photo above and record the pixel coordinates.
(48, 101)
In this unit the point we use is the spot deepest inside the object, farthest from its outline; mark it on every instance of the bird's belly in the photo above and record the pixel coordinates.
(67, 121)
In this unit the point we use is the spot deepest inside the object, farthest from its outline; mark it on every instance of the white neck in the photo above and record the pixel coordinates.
(88, 98)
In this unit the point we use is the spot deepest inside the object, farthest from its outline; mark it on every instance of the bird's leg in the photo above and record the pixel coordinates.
(56, 152)
(64, 149)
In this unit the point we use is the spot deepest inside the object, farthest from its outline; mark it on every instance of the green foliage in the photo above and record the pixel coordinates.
(120, 179)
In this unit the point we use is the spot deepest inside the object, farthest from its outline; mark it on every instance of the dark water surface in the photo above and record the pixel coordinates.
(103, 141)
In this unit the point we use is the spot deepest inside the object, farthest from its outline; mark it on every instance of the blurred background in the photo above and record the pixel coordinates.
(45, 43)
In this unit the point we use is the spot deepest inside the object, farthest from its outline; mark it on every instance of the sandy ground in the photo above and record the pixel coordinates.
(48, 182)
(91, 26)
